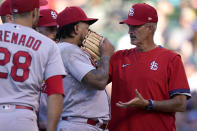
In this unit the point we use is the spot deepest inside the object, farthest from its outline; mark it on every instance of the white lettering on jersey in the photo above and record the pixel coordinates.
(23, 40)
(154, 65)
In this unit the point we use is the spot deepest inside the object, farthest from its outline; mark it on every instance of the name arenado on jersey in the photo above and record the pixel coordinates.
(20, 39)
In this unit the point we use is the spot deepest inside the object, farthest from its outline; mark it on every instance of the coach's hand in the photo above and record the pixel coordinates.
(138, 102)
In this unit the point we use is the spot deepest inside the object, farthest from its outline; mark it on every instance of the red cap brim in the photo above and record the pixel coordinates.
(132, 22)
(90, 20)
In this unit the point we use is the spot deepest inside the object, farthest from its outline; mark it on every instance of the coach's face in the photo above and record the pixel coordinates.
(138, 34)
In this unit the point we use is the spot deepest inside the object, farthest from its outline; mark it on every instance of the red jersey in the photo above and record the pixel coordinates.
(158, 75)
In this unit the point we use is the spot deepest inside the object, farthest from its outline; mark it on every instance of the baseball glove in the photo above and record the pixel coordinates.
(91, 44)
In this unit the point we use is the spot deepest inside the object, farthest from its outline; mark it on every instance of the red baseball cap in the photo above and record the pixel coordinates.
(5, 8)
(21, 6)
(140, 14)
(43, 2)
(73, 14)
(48, 18)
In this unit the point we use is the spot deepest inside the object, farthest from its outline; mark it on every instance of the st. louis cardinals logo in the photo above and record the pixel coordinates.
(149, 18)
(15, 10)
(131, 12)
(53, 15)
(154, 65)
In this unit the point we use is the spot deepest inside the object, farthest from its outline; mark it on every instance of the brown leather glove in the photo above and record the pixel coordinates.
(91, 44)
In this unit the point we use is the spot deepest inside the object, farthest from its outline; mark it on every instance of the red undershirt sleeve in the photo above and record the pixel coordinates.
(55, 85)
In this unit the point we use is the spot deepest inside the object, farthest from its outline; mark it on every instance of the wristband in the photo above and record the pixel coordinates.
(150, 105)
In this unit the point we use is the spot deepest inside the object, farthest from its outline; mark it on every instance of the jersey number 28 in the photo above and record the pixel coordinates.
(16, 64)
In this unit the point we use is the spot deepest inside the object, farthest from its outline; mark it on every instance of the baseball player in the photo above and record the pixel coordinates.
(26, 58)
(47, 26)
(148, 82)
(5, 11)
(86, 104)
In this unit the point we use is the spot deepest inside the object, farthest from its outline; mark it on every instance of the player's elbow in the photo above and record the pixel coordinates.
(101, 83)
(97, 84)
(95, 80)
(181, 107)
(100, 86)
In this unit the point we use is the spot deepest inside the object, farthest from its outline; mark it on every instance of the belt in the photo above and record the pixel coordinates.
(94, 122)
(91, 122)
(11, 106)
(23, 107)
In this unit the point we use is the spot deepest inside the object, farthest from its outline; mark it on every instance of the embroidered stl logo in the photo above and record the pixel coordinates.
(53, 15)
(131, 12)
(149, 18)
(124, 65)
(154, 65)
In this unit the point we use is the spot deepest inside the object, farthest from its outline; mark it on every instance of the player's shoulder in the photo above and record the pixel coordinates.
(167, 52)
(6, 25)
(68, 48)
(122, 53)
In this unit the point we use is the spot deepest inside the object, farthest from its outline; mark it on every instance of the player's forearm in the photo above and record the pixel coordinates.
(55, 104)
(176, 104)
(102, 70)
(98, 78)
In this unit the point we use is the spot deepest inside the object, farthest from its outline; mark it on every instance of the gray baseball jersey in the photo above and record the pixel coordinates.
(26, 58)
(80, 100)
(43, 111)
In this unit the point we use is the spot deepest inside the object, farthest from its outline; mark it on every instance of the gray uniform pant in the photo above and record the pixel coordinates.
(69, 125)
(18, 120)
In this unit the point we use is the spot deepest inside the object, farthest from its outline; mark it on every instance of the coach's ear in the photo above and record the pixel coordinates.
(151, 26)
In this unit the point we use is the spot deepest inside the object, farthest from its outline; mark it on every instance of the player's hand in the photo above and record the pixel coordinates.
(106, 48)
(138, 102)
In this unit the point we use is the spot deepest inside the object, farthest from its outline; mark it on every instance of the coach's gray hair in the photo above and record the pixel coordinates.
(153, 24)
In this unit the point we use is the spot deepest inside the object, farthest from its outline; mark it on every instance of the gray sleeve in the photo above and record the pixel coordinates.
(79, 65)
(54, 65)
